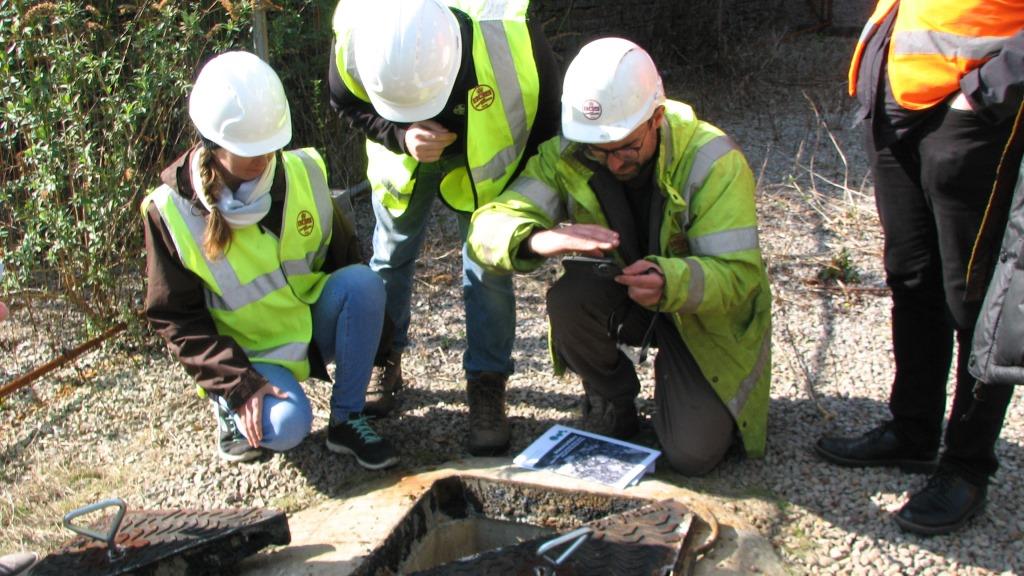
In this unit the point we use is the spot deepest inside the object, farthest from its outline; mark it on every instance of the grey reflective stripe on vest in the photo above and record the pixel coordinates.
(947, 44)
(298, 267)
(665, 133)
(294, 352)
(390, 187)
(703, 161)
(739, 400)
(542, 195)
(868, 31)
(318, 183)
(570, 201)
(185, 209)
(563, 143)
(240, 295)
(511, 98)
(725, 242)
(695, 291)
(493, 10)
(322, 199)
(234, 293)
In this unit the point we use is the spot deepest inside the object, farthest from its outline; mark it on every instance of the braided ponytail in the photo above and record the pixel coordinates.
(217, 235)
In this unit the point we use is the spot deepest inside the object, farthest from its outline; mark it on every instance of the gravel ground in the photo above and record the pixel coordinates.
(123, 420)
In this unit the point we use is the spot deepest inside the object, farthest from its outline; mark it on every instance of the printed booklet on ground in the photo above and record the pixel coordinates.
(580, 454)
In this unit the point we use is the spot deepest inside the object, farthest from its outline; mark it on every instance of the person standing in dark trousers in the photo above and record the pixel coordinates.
(938, 82)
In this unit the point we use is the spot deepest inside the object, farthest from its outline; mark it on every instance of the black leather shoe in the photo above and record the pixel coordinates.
(945, 504)
(878, 447)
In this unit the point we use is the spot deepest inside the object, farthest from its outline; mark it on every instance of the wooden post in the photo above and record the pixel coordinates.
(260, 39)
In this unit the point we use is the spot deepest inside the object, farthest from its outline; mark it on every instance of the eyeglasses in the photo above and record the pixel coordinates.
(625, 153)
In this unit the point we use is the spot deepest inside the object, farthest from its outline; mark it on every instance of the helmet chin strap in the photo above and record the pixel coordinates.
(210, 145)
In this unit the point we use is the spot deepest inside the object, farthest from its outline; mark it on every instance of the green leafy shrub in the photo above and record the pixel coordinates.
(95, 105)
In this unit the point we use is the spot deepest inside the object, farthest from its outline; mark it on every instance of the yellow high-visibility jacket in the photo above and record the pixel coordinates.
(716, 286)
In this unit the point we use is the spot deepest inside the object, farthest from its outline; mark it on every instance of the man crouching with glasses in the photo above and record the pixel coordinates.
(640, 180)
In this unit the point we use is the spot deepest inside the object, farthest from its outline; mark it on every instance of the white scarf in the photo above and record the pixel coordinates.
(244, 207)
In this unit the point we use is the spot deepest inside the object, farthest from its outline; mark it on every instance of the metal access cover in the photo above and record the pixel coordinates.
(169, 542)
(649, 540)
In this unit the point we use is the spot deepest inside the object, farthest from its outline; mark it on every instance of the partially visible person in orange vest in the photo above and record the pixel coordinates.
(939, 83)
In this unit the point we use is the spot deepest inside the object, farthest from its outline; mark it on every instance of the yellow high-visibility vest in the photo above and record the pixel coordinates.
(500, 109)
(260, 290)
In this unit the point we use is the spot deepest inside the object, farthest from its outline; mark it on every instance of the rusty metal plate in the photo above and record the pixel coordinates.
(648, 540)
(169, 542)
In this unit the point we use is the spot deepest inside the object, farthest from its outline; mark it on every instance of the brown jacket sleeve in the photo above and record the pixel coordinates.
(176, 309)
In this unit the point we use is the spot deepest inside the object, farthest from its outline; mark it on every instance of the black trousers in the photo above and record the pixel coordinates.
(931, 190)
(589, 316)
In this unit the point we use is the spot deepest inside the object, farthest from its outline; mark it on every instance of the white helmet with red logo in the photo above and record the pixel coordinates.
(610, 88)
(408, 53)
(238, 102)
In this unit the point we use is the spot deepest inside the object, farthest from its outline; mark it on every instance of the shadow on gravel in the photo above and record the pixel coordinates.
(430, 428)
(859, 501)
(433, 424)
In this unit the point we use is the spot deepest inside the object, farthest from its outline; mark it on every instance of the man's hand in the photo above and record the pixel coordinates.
(426, 140)
(960, 102)
(588, 239)
(645, 280)
(251, 413)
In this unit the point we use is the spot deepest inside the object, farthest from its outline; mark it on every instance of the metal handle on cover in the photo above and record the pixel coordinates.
(113, 551)
(577, 536)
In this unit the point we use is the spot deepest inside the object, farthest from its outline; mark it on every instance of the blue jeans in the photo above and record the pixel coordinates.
(488, 298)
(347, 321)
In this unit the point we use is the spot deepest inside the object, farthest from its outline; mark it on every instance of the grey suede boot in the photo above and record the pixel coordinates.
(385, 382)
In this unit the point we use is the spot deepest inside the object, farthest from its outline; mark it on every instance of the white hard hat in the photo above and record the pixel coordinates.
(408, 53)
(610, 88)
(238, 103)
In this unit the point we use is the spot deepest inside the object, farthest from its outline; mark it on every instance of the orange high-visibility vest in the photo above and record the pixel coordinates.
(935, 42)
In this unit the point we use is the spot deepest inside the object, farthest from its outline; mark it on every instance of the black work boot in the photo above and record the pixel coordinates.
(614, 419)
(385, 382)
(488, 424)
(881, 446)
(945, 504)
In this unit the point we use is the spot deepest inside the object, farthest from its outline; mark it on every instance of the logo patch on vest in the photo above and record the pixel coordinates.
(481, 97)
(591, 109)
(679, 245)
(304, 223)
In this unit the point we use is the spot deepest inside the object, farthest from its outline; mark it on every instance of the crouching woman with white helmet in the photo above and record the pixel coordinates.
(253, 281)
